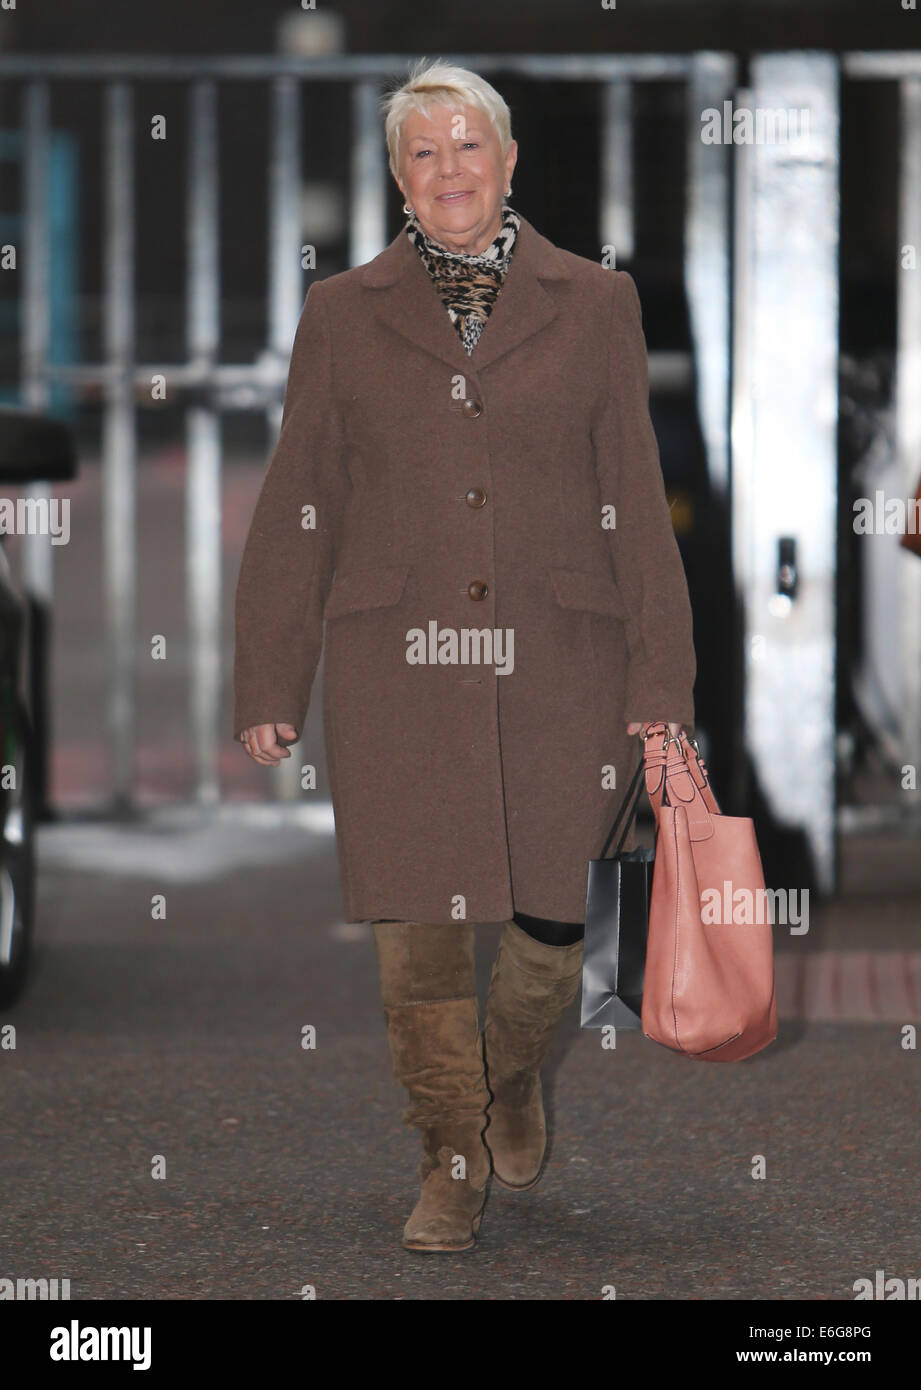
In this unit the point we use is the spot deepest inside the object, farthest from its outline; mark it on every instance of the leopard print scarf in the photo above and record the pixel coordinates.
(467, 285)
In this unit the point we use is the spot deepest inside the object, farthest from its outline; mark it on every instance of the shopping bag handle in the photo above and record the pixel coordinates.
(629, 804)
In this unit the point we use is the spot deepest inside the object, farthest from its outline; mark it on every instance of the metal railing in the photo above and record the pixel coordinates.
(216, 386)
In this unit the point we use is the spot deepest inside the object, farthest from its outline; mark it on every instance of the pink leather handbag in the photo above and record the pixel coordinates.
(708, 990)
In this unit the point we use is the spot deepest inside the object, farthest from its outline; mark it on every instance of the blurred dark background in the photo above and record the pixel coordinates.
(556, 124)
(556, 186)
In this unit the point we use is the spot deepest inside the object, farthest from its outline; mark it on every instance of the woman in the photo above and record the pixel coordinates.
(467, 490)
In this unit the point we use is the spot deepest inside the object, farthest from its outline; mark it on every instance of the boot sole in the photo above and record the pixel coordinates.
(448, 1249)
(515, 1186)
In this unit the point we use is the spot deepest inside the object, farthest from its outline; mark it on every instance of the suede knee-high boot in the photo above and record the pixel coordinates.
(428, 988)
(531, 985)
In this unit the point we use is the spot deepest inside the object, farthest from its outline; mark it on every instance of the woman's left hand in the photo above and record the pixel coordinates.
(638, 725)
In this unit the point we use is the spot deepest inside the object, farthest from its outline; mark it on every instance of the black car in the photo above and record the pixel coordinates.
(33, 448)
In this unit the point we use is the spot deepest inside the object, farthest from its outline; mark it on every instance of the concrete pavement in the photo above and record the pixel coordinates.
(178, 1041)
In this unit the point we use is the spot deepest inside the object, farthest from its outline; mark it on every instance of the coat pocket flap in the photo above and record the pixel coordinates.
(594, 590)
(377, 587)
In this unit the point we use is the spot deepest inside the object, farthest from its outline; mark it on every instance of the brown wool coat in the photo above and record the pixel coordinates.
(459, 792)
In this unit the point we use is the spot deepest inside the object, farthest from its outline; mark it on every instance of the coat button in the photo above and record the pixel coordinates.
(476, 497)
(478, 589)
(473, 408)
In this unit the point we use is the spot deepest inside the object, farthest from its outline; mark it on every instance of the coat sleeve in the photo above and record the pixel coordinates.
(287, 566)
(647, 563)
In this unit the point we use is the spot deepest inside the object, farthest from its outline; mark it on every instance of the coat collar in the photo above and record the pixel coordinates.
(406, 299)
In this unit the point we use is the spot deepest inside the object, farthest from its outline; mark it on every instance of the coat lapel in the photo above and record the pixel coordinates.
(406, 301)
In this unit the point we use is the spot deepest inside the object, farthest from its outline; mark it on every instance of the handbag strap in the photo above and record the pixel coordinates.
(654, 757)
(668, 764)
(627, 808)
(676, 772)
(699, 774)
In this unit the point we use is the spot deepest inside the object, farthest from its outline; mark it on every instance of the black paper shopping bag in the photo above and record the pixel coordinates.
(616, 924)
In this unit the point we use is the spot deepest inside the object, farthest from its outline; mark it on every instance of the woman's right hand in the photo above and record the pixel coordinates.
(262, 745)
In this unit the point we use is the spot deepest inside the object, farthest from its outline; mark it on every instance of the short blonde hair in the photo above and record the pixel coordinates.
(449, 86)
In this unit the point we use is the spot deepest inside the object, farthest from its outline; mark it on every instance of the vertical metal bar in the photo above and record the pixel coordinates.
(706, 258)
(203, 442)
(119, 440)
(36, 269)
(617, 193)
(742, 449)
(37, 572)
(908, 415)
(286, 277)
(785, 481)
(368, 220)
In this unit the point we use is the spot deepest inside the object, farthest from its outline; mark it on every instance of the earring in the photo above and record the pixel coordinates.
(407, 207)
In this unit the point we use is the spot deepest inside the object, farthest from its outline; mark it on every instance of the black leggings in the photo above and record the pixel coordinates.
(548, 932)
(542, 929)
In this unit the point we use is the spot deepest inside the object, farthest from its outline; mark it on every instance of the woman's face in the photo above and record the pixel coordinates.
(452, 171)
